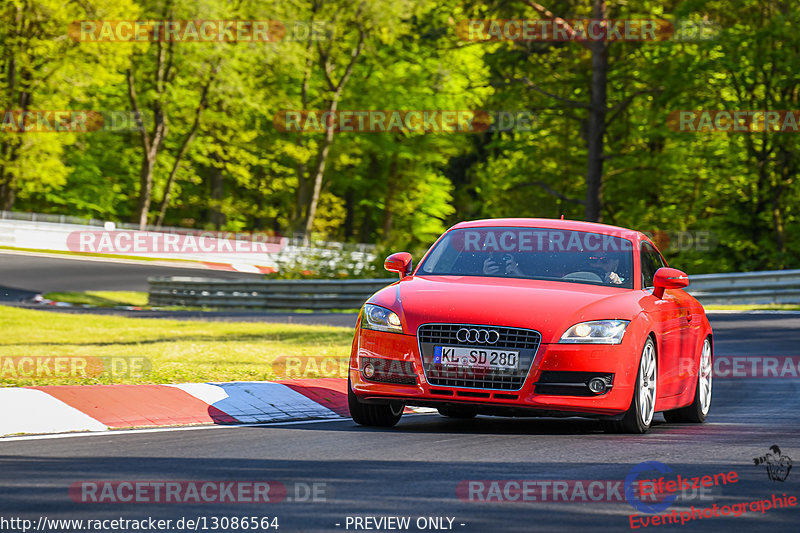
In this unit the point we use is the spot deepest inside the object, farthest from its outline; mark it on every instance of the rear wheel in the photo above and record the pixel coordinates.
(639, 416)
(457, 411)
(365, 414)
(697, 411)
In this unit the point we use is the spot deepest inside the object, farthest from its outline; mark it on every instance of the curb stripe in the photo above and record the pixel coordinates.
(330, 392)
(27, 410)
(123, 406)
(56, 409)
(266, 401)
(219, 266)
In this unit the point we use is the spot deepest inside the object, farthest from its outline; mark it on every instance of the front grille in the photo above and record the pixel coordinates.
(510, 338)
(525, 341)
(390, 371)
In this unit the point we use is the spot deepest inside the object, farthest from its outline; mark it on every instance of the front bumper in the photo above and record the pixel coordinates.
(618, 360)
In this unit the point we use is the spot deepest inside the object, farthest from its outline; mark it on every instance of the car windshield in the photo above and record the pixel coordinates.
(533, 253)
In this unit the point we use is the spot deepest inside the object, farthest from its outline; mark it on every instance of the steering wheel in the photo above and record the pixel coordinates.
(585, 275)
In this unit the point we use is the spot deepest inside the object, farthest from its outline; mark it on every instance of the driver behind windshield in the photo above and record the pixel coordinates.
(502, 264)
(608, 266)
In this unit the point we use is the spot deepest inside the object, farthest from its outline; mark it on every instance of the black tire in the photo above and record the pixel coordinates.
(694, 413)
(632, 421)
(365, 414)
(463, 412)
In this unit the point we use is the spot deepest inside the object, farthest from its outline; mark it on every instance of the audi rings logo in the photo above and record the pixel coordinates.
(479, 336)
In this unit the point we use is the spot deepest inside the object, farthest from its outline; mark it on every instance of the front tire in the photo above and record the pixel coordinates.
(365, 414)
(639, 416)
(697, 411)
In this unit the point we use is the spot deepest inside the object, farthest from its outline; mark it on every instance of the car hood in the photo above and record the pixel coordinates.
(549, 307)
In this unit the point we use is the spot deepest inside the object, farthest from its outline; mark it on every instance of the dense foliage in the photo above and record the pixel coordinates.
(210, 155)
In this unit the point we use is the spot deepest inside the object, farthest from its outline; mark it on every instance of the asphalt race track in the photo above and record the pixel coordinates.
(34, 273)
(23, 276)
(414, 470)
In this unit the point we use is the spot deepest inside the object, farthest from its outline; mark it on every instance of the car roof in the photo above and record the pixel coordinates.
(553, 223)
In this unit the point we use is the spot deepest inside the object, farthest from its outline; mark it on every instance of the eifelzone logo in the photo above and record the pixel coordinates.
(778, 465)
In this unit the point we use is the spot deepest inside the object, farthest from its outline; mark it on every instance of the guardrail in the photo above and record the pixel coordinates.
(296, 239)
(764, 287)
(54, 233)
(779, 286)
(316, 295)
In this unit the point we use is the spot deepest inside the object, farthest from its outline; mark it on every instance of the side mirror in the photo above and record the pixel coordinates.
(668, 278)
(399, 262)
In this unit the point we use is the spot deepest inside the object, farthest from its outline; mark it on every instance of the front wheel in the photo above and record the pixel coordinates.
(697, 411)
(639, 416)
(365, 414)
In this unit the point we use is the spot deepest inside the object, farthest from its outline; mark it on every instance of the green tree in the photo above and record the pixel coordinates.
(43, 68)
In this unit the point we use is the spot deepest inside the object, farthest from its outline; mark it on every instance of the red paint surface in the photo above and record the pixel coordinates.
(123, 406)
(219, 266)
(328, 392)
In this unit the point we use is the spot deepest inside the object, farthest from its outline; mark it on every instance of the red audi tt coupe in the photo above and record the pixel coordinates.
(534, 317)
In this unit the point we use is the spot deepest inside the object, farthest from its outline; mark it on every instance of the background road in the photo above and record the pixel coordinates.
(414, 469)
(24, 275)
(37, 273)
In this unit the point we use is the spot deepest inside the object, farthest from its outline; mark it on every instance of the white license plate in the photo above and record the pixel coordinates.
(476, 357)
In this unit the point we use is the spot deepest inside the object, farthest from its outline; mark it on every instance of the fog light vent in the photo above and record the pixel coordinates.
(597, 385)
(388, 371)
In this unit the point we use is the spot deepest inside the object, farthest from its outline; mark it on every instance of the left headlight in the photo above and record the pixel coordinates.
(596, 332)
(381, 319)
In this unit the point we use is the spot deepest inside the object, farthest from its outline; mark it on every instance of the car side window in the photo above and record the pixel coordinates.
(651, 261)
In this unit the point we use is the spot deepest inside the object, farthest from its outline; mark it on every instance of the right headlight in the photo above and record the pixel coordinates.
(381, 319)
(596, 332)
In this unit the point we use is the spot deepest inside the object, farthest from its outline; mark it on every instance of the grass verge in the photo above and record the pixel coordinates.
(100, 298)
(175, 351)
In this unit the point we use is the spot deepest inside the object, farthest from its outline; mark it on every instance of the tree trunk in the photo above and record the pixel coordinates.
(151, 143)
(145, 189)
(319, 172)
(777, 224)
(301, 195)
(597, 123)
(786, 172)
(217, 182)
(11, 149)
(185, 145)
(350, 212)
(8, 191)
(388, 206)
(336, 90)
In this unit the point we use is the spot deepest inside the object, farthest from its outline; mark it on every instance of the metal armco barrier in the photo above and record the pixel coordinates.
(769, 286)
(316, 295)
(779, 286)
